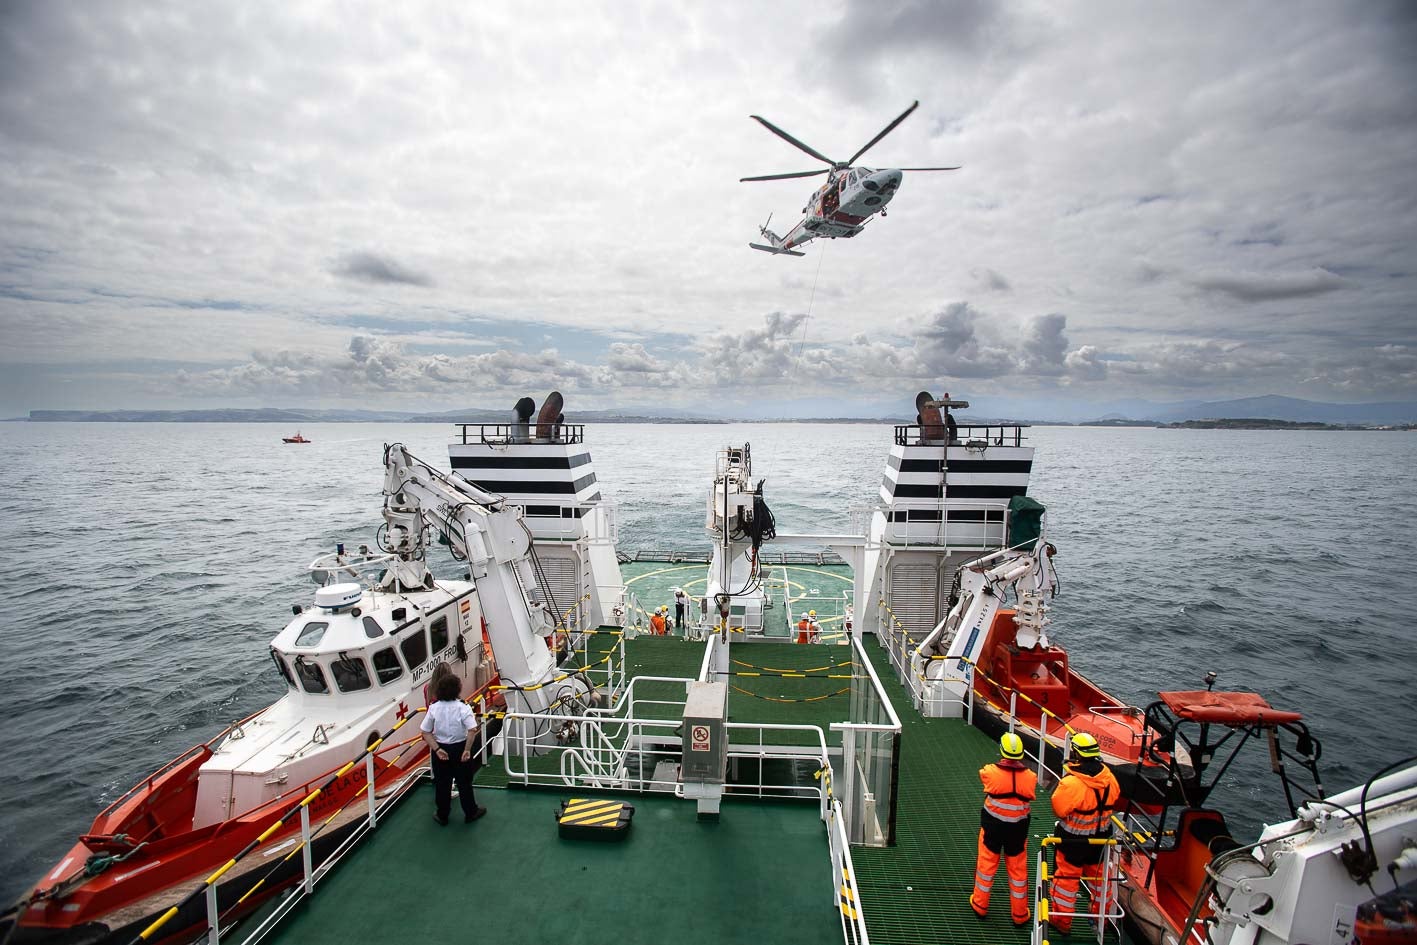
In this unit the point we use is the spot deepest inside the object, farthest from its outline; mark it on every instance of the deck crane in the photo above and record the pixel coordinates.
(489, 534)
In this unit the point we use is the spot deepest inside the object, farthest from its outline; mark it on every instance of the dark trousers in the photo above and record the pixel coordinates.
(678, 616)
(445, 773)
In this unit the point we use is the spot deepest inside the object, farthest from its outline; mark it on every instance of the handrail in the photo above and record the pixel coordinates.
(853, 917)
(962, 432)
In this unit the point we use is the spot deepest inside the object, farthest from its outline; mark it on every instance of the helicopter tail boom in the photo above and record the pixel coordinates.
(776, 250)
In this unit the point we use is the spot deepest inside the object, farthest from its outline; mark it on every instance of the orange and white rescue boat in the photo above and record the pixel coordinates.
(355, 666)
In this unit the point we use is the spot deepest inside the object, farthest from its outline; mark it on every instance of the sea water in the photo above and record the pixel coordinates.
(147, 566)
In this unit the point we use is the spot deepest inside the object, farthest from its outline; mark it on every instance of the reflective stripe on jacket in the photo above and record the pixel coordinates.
(1009, 790)
(1084, 802)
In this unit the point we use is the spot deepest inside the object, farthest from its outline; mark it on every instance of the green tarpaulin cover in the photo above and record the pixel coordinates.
(1025, 521)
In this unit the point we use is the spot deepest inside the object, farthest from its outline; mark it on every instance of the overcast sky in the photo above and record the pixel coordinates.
(427, 206)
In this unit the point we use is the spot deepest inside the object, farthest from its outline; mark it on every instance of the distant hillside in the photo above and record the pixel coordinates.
(1273, 407)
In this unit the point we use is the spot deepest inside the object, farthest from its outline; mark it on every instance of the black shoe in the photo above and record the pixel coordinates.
(440, 821)
(474, 815)
(982, 917)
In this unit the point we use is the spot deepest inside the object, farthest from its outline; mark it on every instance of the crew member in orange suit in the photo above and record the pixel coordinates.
(804, 627)
(1009, 789)
(1083, 800)
(657, 623)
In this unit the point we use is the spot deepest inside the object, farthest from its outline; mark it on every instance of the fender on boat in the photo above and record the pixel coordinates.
(550, 414)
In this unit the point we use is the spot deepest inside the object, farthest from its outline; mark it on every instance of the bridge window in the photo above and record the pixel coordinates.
(312, 678)
(415, 649)
(372, 630)
(351, 675)
(387, 666)
(438, 630)
(311, 633)
(284, 669)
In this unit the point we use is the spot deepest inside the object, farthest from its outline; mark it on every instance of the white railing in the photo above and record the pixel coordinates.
(311, 874)
(936, 533)
(1105, 915)
(845, 894)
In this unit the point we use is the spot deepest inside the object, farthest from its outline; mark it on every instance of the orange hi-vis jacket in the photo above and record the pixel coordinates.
(1084, 802)
(656, 625)
(1009, 790)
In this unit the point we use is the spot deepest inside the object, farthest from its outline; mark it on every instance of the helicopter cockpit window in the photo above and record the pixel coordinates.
(312, 678)
(852, 178)
(311, 633)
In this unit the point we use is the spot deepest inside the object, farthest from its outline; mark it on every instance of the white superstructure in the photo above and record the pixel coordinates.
(944, 500)
(547, 470)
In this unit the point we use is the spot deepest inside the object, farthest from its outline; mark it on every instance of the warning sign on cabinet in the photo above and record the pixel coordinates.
(699, 738)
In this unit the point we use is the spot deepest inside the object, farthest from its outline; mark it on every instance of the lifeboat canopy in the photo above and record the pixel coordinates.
(1226, 708)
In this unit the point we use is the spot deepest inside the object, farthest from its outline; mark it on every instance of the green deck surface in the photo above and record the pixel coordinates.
(761, 874)
(917, 892)
(790, 589)
(510, 878)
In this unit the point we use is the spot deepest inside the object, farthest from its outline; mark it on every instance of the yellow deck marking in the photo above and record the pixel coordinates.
(591, 821)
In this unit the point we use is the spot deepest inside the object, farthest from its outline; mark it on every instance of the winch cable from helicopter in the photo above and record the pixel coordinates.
(802, 344)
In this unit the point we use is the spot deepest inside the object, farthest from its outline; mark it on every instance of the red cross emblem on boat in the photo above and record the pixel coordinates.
(402, 711)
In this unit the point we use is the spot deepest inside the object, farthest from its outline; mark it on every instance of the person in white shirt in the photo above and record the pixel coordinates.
(450, 727)
(681, 608)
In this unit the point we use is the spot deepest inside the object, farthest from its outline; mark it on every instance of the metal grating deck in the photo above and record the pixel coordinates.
(917, 892)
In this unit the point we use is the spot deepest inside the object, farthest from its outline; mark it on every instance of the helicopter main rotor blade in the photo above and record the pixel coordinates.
(955, 168)
(887, 130)
(791, 140)
(825, 170)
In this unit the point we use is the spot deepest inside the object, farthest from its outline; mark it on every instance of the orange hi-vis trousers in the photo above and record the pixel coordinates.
(984, 869)
(1066, 876)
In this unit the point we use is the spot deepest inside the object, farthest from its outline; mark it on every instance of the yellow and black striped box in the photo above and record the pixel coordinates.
(590, 818)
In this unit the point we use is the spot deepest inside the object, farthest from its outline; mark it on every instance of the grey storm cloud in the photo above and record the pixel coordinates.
(1156, 198)
(375, 365)
(1271, 286)
(948, 345)
(764, 353)
(371, 267)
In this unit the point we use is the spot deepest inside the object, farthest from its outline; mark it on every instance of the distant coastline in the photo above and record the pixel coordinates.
(297, 417)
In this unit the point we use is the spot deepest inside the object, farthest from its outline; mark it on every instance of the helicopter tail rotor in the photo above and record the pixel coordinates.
(775, 242)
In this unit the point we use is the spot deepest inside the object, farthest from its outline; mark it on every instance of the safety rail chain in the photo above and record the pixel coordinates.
(368, 756)
(1102, 890)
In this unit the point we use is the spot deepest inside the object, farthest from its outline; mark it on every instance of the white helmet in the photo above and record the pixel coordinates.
(804, 615)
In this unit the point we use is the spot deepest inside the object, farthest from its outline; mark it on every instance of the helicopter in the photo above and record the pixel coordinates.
(840, 208)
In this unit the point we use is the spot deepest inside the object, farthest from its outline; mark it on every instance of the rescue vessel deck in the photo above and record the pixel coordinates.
(762, 873)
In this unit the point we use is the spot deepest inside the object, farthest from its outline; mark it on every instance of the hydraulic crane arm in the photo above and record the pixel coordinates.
(984, 584)
(490, 535)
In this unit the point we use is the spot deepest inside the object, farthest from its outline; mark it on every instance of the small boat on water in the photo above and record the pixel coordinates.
(297, 438)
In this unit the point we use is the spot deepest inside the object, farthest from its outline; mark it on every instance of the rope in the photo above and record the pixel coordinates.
(780, 699)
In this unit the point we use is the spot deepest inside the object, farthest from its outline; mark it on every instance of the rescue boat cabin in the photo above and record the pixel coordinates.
(353, 664)
(546, 468)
